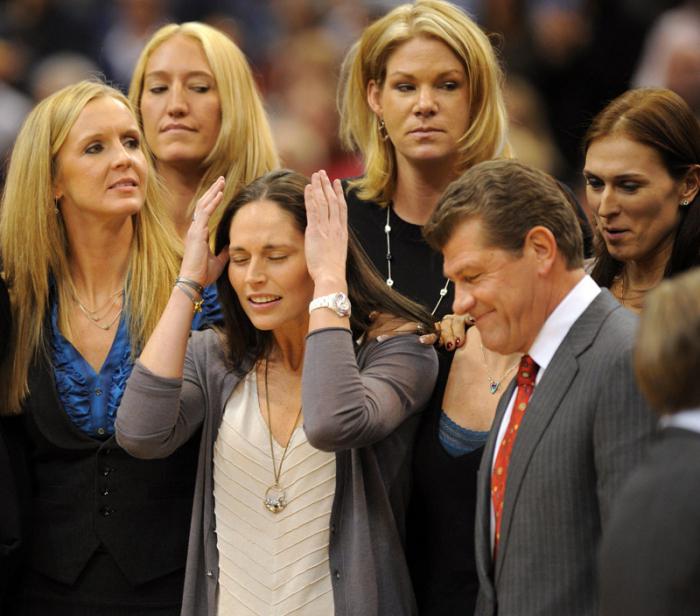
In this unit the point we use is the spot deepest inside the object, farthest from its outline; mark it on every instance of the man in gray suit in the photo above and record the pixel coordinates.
(572, 424)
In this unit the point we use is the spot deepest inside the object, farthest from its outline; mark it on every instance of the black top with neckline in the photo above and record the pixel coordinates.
(415, 267)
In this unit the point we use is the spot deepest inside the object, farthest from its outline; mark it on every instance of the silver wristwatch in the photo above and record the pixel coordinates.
(337, 302)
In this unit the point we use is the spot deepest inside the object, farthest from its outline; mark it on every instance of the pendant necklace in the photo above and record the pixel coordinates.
(275, 496)
(95, 317)
(389, 279)
(494, 385)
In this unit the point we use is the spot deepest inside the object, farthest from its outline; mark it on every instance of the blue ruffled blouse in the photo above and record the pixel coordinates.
(91, 399)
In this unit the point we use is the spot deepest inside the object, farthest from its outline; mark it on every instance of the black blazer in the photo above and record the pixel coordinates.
(650, 554)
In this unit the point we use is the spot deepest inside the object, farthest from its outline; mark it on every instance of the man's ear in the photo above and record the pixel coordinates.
(541, 245)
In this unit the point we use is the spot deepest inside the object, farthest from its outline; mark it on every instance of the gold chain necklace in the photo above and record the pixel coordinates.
(275, 496)
(494, 385)
(636, 296)
(93, 315)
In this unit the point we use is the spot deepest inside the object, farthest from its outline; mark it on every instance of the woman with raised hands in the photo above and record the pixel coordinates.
(308, 414)
(202, 117)
(90, 259)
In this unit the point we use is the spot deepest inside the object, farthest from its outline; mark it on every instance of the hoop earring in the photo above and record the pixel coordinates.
(383, 134)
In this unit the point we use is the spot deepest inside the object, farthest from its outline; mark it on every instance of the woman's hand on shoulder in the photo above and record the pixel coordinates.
(198, 262)
(326, 236)
(451, 331)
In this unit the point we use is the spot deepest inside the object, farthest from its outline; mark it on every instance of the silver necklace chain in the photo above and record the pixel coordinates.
(494, 385)
(389, 258)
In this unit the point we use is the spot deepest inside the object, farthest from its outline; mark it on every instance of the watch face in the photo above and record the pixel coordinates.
(342, 303)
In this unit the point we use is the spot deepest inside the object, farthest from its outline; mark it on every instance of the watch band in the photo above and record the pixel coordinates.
(337, 302)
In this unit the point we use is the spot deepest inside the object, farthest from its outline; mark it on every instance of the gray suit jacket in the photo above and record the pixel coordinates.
(585, 428)
(649, 557)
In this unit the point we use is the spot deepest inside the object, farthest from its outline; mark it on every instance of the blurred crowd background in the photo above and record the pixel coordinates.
(564, 59)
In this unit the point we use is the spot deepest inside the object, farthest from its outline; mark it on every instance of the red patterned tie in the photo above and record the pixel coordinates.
(525, 378)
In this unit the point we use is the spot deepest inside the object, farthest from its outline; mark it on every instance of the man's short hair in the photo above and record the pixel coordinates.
(509, 198)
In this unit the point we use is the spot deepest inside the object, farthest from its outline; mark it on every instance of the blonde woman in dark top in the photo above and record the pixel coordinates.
(89, 257)
(421, 100)
(308, 408)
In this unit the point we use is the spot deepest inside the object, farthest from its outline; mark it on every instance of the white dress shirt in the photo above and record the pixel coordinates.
(552, 334)
(688, 420)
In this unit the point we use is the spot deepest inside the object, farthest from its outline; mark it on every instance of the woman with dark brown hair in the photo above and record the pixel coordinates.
(287, 519)
(642, 176)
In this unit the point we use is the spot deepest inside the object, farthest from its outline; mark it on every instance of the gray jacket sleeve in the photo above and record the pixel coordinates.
(352, 402)
(158, 414)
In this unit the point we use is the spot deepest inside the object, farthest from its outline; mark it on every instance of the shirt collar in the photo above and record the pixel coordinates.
(689, 420)
(558, 324)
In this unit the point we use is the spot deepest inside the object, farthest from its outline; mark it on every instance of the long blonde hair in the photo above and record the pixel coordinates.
(244, 149)
(486, 136)
(35, 249)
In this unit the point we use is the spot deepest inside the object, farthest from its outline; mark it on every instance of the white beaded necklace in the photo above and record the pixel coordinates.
(389, 279)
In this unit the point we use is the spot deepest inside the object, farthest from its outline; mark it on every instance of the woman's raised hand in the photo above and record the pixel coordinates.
(326, 237)
(198, 262)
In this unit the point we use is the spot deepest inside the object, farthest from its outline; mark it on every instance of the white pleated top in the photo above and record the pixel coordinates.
(270, 564)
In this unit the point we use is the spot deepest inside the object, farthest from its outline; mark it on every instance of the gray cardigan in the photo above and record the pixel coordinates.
(360, 402)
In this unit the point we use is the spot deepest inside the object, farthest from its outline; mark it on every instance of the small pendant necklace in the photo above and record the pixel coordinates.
(275, 496)
(494, 385)
(389, 258)
(95, 317)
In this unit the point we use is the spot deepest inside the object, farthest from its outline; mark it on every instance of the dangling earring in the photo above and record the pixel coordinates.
(382, 130)
(55, 206)
(685, 203)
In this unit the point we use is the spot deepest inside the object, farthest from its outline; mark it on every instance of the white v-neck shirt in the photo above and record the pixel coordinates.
(270, 564)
